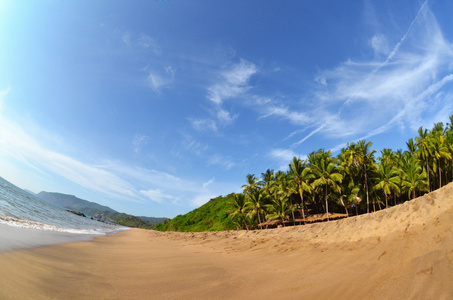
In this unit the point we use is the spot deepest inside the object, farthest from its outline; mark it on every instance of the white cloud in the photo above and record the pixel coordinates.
(240, 73)
(161, 79)
(370, 97)
(221, 161)
(126, 38)
(232, 83)
(138, 141)
(309, 135)
(194, 146)
(321, 80)
(205, 184)
(147, 42)
(203, 124)
(295, 117)
(110, 178)
(3, 96)
(201, 199)
(282, 154)
(157, 196)
(225, 116)
(17, 144)
(379, 44)
(284, 157)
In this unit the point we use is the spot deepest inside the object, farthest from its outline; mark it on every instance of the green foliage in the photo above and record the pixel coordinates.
(212, 216)
(131, 221)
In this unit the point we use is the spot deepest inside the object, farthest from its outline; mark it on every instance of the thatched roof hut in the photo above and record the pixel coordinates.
(310, 219)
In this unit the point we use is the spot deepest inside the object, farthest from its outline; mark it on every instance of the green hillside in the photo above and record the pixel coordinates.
(212, 216)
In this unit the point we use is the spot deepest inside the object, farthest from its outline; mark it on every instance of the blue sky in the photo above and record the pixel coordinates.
(154, 107)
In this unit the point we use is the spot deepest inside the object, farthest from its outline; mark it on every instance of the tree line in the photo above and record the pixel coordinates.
(355, 181)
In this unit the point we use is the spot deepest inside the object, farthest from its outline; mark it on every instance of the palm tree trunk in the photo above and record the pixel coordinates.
(327, 206)
(451, 178)
(259, 219)
(366, 187)
(386, 201)
(302, 200)
(427, 172)
(292, 211)
(440, 176)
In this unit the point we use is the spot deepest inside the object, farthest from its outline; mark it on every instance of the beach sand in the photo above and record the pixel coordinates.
(405, 252)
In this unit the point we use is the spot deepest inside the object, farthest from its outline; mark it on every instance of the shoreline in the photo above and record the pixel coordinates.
(404, 252)
(15, 238)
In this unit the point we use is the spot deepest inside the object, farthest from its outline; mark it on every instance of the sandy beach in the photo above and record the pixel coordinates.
(405, 252)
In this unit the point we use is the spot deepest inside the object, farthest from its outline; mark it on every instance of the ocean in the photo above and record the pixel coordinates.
(28, 221)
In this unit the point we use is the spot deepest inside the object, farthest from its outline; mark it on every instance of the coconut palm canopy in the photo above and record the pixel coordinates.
(324, 183)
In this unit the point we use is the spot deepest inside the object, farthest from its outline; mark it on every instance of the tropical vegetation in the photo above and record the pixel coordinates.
(358, 180)
(212, 216)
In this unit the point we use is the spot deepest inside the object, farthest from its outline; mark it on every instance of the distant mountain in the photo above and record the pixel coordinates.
(30, 192)
(152, 220)
(97, 211)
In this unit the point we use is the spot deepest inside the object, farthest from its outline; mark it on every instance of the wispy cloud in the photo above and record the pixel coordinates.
(158, 196)
(112, 179)
(3, 94)
(193, 146)
(159, 79)
(201, 199)
(232, 82)
(284, 156)
(205, 184)
(203, 124)
(218, 159)
(295, 117)
(380, 45)
(138, 141)
(148, 42)
(371, 97)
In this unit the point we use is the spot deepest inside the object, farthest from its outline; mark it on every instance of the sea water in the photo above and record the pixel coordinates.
(28, 221)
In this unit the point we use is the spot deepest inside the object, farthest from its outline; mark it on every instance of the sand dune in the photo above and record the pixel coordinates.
(404, 252)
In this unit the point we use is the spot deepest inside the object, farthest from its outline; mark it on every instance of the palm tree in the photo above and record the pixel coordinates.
(279, 209)
(255, 204)
(268, 180)
(414, 177)
(449, 143)
(238, 208)
(302, 175)
(349, 187)
(388, 156)
(284, 188)
(326, 174)
(440, 149)
(252, 184)
(424, 146)
(365, 159)
(387, 178)
(411, 146)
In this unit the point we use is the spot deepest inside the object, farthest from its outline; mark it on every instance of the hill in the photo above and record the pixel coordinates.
(97, 211)
(212, 216)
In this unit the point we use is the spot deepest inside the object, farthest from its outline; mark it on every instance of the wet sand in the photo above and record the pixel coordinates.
(405, 252)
